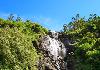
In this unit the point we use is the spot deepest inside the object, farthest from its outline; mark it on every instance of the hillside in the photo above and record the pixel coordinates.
(16, 49)
(79, 41)
(84, 35)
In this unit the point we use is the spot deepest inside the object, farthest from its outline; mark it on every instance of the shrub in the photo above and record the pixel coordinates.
(16, 50)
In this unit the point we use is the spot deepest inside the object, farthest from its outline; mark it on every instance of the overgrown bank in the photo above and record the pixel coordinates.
(16, 49)
(84, 35)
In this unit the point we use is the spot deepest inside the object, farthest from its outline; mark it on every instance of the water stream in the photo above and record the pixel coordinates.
(54, 50)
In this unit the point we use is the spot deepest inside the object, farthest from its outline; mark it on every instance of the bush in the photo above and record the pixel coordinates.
(16, 50)
(86, 37)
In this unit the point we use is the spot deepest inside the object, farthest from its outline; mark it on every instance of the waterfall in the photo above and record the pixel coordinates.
(54, 50)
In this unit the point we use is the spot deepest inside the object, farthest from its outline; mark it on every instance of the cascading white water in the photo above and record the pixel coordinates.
(56, 48)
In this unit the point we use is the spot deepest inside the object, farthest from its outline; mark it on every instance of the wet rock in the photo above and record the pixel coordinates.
(54, 50)
(57, 51)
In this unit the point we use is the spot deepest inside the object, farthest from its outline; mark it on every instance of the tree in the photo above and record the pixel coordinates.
(11, 17)
(18, 19)
(86, 37)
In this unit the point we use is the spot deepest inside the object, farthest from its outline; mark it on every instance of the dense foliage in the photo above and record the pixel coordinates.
(85, 35)
(16, 49)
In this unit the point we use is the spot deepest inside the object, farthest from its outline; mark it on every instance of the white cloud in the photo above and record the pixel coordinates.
(4, 15)
(48, 22)
(45, 21)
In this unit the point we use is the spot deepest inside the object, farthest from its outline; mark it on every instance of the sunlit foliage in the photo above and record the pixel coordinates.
(85, 34)
(16, 49)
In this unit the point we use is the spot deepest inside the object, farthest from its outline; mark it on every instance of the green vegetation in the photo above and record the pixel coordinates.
(16, 49)
(85, 35)
(18, 53)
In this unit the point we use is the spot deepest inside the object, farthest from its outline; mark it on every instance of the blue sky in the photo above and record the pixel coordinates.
(51, 14)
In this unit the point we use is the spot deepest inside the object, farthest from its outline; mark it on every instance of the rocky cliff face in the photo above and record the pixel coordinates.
(70, 57)
(54, 47)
